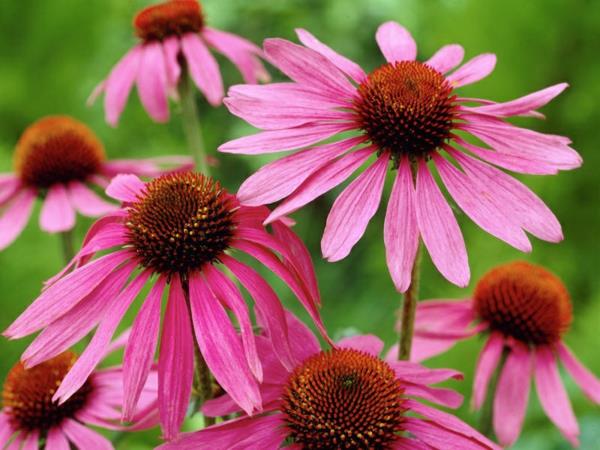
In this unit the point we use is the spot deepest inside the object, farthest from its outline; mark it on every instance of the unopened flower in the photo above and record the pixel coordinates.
(174, 38)
(178, 230)
(524, 311)
(58, 159)
(31, 419)
(409, 116)
(347, 397)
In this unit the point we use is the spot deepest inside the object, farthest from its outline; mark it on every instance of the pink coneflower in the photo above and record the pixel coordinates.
(524, 310)
(175, 39)
(342, 398)
(57, 159)
(407, 114)
(178, 229)
(30, 419)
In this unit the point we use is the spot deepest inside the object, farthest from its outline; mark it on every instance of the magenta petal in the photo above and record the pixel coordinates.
(140, 349)
(31, 442)
(57, 212)
(171, 49)
(221, 347)
(552, 394)
(586, 381)
(486, 366)
(119, 84)
(56, 440)
(152, 82)
(473, 70)
(203, 68)
(175, 362)
(446, 58)
(440, 231)
(365, 343)
(350, 68)
(87, 202)
(125, 188)
(83, 437)
(512, 395)
(15, 216)
(436, 436)
(440, 396)
(280, 178)
(418, 374)
(400, 232)
(395, 42)
(352, 211)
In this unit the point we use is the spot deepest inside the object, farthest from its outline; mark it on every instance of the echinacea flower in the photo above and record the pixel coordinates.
(523, 310)
(347, 397)
(408, 115)
(174, 38)
(58, 159)
(30, 419)
(177, 230)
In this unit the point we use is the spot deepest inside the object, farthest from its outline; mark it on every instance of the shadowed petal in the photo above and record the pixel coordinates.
(152, 82)
(486, 366)
(84, 437)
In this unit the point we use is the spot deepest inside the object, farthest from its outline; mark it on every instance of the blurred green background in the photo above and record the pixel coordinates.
(53, 52)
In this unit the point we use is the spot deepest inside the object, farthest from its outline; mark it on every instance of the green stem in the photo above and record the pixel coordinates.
(191, 124)
(409, 308)
(486, 419)
(68, 249)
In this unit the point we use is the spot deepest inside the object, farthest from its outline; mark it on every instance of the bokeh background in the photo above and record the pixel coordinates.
(53, 52)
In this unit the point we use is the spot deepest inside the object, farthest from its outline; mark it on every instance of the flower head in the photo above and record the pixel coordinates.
(524, 310)
(29, 413)
(179, 230)
(174, 39)
(346, 397)
(58, 159)
(409, 116)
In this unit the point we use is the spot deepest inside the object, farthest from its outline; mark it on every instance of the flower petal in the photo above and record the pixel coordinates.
(203, 68)
(15, 216)
(125, 188)
(56, 440)
(488, 361)
(87, 202)
(395, 42)
(446, 58)
(119, 84)
(57, 212)
(586, 381)
(84, 437)
(473, 70)
(152, 82)
(171, 49)
(367, 343)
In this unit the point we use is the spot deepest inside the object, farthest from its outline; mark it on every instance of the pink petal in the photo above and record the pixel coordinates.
(125, 188)
(473, 70)
(6, 429)
(15, 216)
(175, 363)
(57, 212)
(274, 141)
(400, 232)
(347, 66)
(436, 436)
(352, 211)
(119, 84)
(486, 366)
(269, 308)
(31, 442)
(87, 202)
(203, 68)
(83, 437)
(282, 177)
(96, 349)
(552, 394)
(322, 181)
(395, 42)
(288, 93)
(308, 67)
(367, 343)
(64, 295)
(56, 440)
(440, 396)
(476, 199)
(220, 345)
(446, 58)
(152, 82)
(588, 383)
(418, 374)
(512, 395)
(9, 186)
(171, 49)
(425, 347)
(140, 349)
(439, 229)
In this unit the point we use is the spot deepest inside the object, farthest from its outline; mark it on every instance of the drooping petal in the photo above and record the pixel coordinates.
(14, 218)
(171, 49)
(446, 58)
(512, 395)
(204, 69)
(400, 232)
(473, 70)
(553, 396)
(56, 440)
(31, 442)
(486, 366)
(88, 202)
(84, 437)
(436, 436)
(440, 231)
(140, 349)
(125, 188)
(175, 363)
(57, 212)
(119, 84)
(221, 347)
(395, 42)
(347, 66)
(9, 186)
(152, 82)
(586, 381)
(352, 211)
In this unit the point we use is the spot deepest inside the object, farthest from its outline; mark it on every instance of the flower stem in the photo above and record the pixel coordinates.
(486, 419)
(191, 124)
(68, 249)
(409, 308)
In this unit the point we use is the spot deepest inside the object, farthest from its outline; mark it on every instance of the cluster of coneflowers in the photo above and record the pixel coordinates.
(169, 233)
